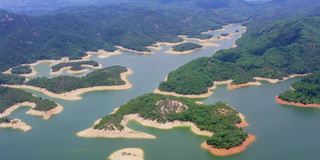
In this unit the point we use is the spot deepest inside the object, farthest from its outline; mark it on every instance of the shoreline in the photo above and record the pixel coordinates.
(44, 114)
(230, 86)
(231, 151)
(69, 71)
(295, 104)
(130, 133)
(101, 54)
(127, 154)
(76, 94)
(171, 51)
(16, 124)
(134, 51)
(28, 75)
(243, 123)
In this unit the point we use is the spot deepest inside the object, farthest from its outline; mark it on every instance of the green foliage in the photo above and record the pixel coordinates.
(11, 79)
(21, 70)
(11, 96)
(219, 118)
(5, 120)
(109, 76)
(75, 66)
(186, 47)
(273, 51)
(306, 91)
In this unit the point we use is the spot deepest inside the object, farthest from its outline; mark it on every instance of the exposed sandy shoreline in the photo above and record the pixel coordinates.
(283, 102)
(129, 133)
(16, 124)
(230, 86)
(68, 69)
(133, 51)
(227, 152)
(102, 54)
(243, 123)
(44, 114)
(76, 94)
(127, 154)
(171, 51)
(32, 74)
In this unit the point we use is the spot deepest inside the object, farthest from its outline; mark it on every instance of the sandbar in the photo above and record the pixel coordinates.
(16, 124)
(231, 151)
(127, 154)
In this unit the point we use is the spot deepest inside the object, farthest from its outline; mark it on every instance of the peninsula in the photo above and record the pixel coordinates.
(71, 88)
(304, 93)
(12, 99)
(257, 58)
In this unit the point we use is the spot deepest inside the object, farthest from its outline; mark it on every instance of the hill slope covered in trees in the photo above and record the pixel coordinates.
(275, 51)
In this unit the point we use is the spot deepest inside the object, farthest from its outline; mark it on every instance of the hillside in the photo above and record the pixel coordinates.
(306, 91)
(283, 48)
(57, 35)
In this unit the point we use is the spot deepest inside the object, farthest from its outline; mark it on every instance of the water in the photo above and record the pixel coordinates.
(282, 132)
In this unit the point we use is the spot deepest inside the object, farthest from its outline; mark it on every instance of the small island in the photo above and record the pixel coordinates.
(304, 93)
(69, 87)
(219, 122)
(12, 99)
(74, 67)
(127, 154)
(184, 48)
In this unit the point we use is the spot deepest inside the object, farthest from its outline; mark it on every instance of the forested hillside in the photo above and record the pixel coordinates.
(275, 51)
(306, 91)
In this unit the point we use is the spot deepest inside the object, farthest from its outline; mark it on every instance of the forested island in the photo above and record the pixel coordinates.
(186, 47)
(270, 52)
(25, 69)
(75, 66)
(304, 93)
(219, 119)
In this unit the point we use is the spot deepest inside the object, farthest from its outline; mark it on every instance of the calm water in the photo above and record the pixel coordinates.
(282, 132)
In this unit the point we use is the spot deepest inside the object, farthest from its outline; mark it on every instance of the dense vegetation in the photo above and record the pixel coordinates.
(186, 47)
(306, 91)
(75, 66)
(219, 118)
(102, 27)
(11, 96)
(21, 70)
(273, 51)
(109, 76)
(5, 120)
(11, 79)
